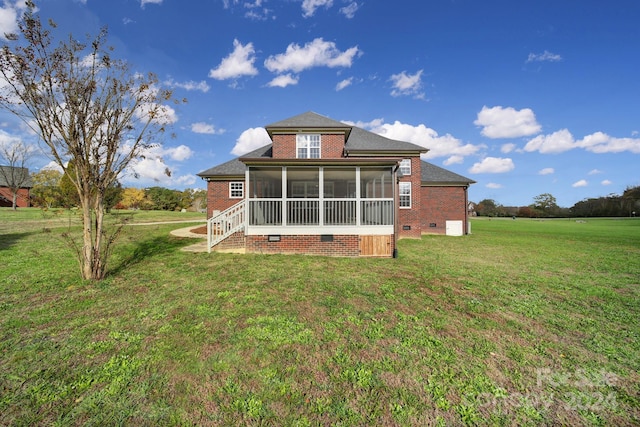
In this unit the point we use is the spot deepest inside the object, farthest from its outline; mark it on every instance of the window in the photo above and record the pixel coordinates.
(405, 195)
(308, 146)
(236, 190)
(405, 167)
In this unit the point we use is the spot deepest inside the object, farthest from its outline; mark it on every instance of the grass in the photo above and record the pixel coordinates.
(522, 322)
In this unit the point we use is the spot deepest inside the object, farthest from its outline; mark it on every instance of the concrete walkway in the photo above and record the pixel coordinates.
(200, 246)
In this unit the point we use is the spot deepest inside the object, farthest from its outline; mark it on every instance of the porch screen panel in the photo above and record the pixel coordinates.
(265, 196)
(376, 183)
(376, 192)
(340, 196)
(303, 193)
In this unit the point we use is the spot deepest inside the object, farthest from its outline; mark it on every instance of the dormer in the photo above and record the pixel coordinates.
(308, 136)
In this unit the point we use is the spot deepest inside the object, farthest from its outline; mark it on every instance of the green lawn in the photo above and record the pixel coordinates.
(523, 322)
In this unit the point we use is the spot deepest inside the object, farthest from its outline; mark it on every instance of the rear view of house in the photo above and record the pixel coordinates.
(327, 188)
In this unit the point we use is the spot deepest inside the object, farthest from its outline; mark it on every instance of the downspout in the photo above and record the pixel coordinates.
(396, 210)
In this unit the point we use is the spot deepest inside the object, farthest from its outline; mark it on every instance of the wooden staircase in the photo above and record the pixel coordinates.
(225, 224)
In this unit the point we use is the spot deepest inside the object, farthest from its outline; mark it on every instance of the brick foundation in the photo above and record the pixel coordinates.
(235, 241)
(345, 245)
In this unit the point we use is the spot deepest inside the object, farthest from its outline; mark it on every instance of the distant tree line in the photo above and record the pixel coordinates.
(53, 189)
(545, 206)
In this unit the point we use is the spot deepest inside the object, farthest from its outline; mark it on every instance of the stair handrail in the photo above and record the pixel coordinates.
(226, 223)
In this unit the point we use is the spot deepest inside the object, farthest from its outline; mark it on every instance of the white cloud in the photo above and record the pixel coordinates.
(10, 11)
(309, 6)
(52, 166)
(606, 182)
(205, 128)
(227, 3)
(507, 148)
(581, 183)
(557, 142)
(438, 145)
(7, 139)
(493, 165)
(407, 84)
(179, 153)
(239, 63)
(256, 11)
(249, 140)
(145, 2)
(493, 185)
(546, 56)
(150, 172)
(453, 160)
(152, 166)
(350, 10)
(318, 53)
(344, 83)
(190, 85)
(547, 171)
(500, 122)
(8, 21)
(283, 80)
(594, 172)
(600, 142)
(164, 115)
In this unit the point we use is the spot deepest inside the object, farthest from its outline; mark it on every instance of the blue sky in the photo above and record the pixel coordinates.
(524, 97)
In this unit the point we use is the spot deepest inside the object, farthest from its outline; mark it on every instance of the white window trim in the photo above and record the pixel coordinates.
(232, 190)
(404, 184)
(405, 164)
(303, 141)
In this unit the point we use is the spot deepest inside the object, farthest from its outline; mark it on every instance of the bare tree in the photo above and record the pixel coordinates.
(15, 155)
(87, 108)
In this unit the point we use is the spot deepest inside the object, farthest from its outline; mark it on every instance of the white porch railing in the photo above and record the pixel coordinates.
(227, 222)
(340, 212)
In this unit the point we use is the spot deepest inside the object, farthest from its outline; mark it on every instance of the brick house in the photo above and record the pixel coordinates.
(327, 188)
(10, 176)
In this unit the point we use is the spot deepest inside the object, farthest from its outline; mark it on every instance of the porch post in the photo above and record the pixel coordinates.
(284, 196)
(321, 196)
(358, 197)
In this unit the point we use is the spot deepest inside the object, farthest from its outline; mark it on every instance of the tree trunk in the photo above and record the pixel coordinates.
(98, 263)
(87, 239)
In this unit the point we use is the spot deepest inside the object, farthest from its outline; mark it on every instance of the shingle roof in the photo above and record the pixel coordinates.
(308, 120)
(235, 167)
(432, 174)
(363, 140)
(22, 174)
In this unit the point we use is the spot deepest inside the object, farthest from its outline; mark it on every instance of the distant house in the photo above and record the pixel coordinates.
(325, 187)
(15, 176)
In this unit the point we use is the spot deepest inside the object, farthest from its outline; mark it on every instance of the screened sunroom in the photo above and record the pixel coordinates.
(306, 199)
